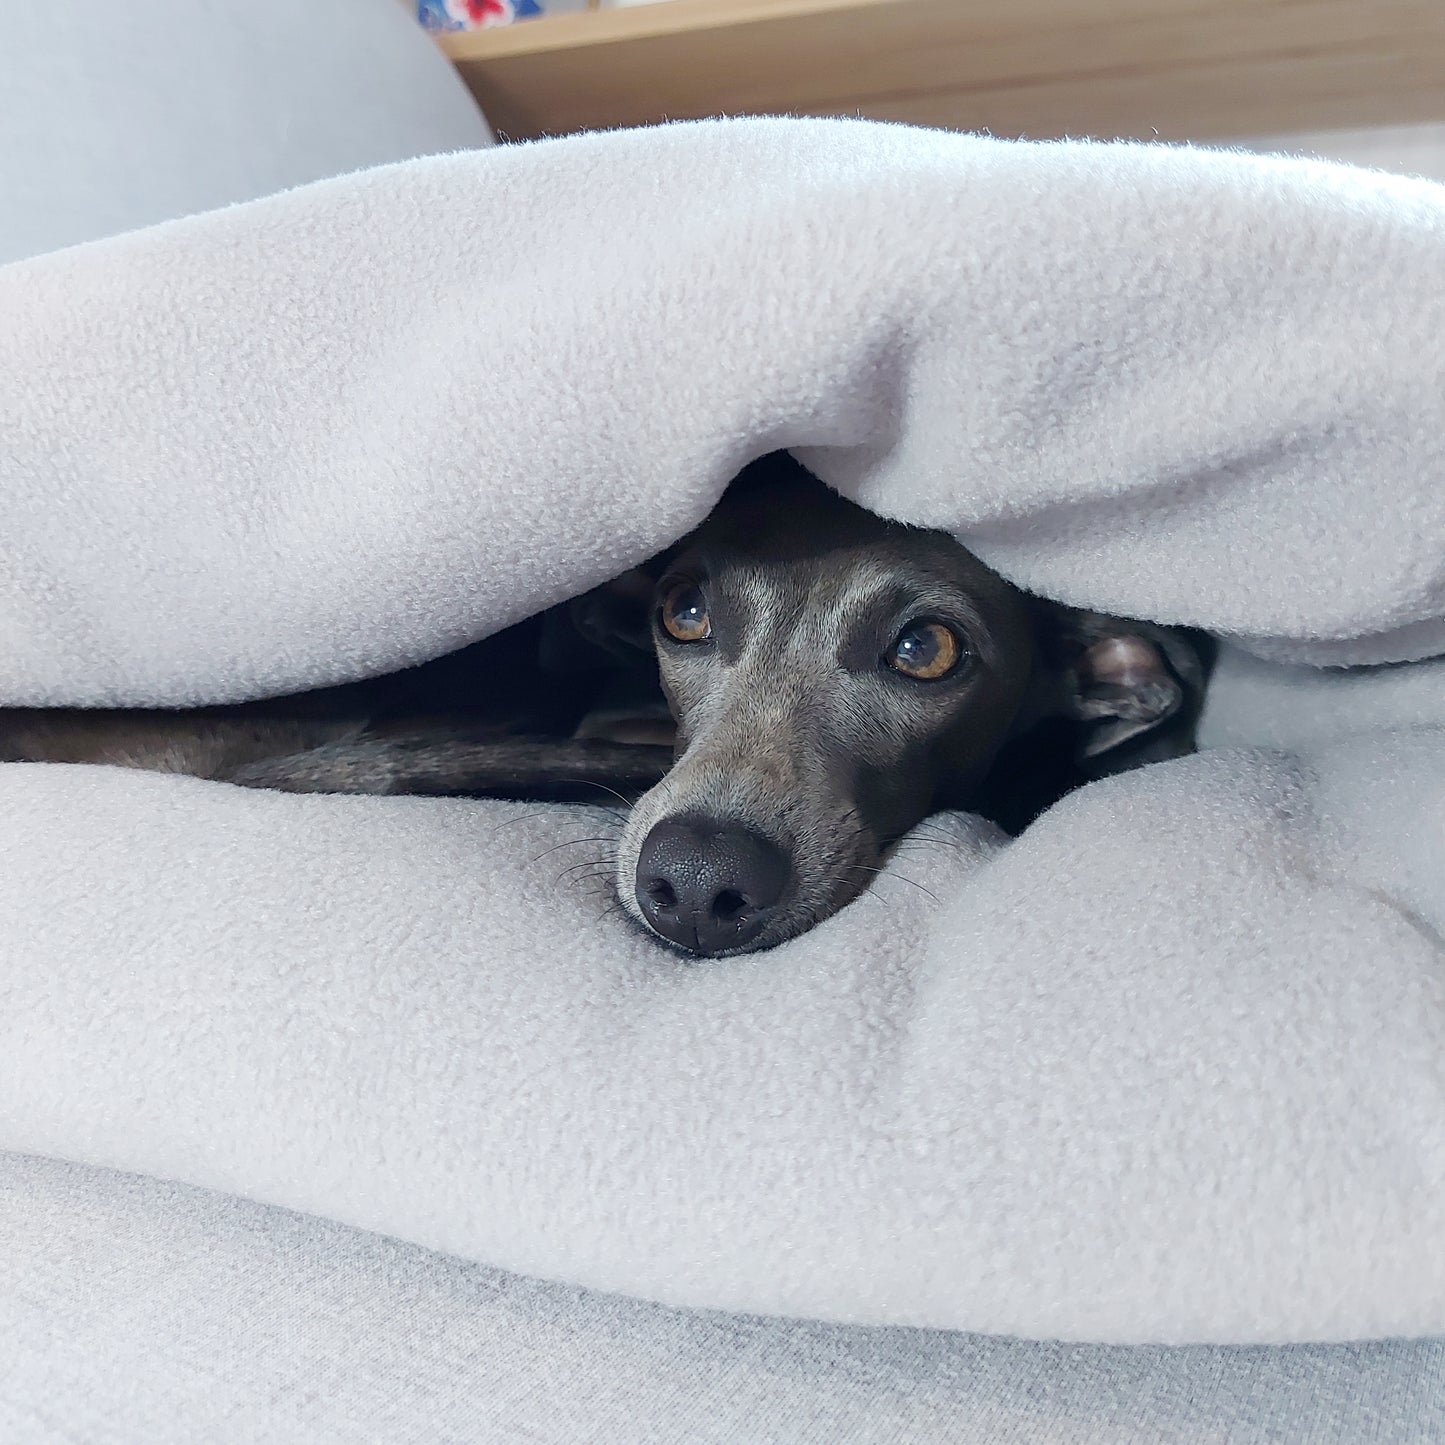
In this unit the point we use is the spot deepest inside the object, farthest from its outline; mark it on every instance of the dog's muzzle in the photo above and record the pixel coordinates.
(709, 885)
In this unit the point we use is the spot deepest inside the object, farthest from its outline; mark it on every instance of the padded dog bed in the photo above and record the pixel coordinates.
(1169, 1067)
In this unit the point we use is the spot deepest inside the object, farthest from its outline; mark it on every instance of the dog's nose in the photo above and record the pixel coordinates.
(707, 884)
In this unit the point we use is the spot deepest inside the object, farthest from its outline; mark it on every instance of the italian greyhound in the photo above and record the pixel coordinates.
(792, 689)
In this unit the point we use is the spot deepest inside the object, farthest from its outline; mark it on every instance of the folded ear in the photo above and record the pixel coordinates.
(1121, 684)
(616, 617)
(1125, 682)
(601, 630)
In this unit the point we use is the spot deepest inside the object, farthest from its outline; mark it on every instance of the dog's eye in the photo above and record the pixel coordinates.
(683, 614)
(926, 651)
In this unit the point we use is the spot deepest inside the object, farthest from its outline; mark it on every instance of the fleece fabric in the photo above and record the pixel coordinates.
(195, 1316)
(1169, 1067)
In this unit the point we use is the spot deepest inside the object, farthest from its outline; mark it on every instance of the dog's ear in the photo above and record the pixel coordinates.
(596, 632)
(1125, 683)
(1123, 686)
(616, 617)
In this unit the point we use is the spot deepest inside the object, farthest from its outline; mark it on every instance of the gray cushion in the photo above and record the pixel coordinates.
(137, 1311)
(117, 116)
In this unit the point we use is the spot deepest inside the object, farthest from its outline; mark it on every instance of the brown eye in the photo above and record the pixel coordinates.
(926, 651)
(683, 614)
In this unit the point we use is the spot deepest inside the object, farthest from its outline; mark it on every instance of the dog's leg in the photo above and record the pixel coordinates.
(300, 756)
(204, 743)
(435, 763)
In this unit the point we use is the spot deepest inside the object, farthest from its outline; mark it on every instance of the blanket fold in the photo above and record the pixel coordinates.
(1169, 1067)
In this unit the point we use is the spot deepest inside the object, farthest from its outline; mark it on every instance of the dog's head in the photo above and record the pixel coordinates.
(834, 678)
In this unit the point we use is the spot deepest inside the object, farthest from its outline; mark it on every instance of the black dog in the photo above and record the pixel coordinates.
(795, 686)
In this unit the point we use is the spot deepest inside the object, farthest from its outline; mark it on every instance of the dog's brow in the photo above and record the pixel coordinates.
(747, 601)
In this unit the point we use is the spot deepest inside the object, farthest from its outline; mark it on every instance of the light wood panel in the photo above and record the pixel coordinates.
(1181, 69)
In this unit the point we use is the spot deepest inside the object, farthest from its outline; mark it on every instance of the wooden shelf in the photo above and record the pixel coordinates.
(1177, 69)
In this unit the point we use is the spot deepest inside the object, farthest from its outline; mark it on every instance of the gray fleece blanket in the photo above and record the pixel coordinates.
(1169, 1067)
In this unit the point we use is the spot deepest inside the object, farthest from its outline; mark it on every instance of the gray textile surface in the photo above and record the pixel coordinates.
(1168, 1068)
(158, 108)
(1255, 703)
(349, 426)
(134, 1312)
(383, 1011)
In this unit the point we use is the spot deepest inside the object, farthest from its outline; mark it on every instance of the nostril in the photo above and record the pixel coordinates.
(710, 885)
(662, 893)
(729, 906)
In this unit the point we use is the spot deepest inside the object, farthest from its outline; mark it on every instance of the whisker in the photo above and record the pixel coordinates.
(884, 873)
(616, 816)
(587, 863)
(593, 783)
(590, 889)
(903, 878)
(589, 877)
(620, 819)
(512, 822)
(913, 845)
(621, 798)
(569, 843)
